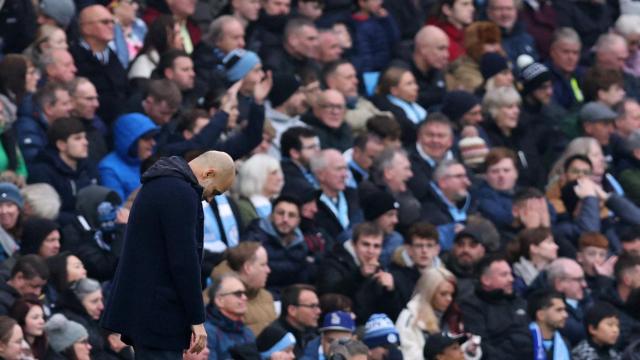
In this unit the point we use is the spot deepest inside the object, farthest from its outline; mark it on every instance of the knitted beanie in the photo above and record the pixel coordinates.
(457, 103)
(35, 231)
(10, 192)
(273, 339)
(380, 331)
(378, 203)
(532, 74)
(63, 333)
(61, 11)
(238, 63)
(284, 86)
(491, 64)
(473, 151)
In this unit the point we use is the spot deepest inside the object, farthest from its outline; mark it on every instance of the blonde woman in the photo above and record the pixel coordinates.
(430, 311)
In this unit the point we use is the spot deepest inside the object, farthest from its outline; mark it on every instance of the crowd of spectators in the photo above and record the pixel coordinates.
(417, 179)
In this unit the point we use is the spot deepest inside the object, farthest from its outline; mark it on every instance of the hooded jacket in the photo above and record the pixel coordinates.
(120, 170)
(288, 263)
(31, 128)
(98, 249)
(223, 333)
(156, 292)
(51, 169)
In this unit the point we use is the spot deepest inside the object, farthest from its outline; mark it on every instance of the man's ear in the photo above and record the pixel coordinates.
(61, 145)
(209, 173)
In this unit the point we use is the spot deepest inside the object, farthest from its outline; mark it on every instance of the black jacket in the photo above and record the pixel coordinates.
(49, 168)
(8, 295)
(109, 79)
(409, 129)
(98, 248)
(404, 279)
(69, 305)
(422, 175)
(156, 294)
(339, 273)
(327, 221)
(289, 264)
(501, 320)
(330, 138)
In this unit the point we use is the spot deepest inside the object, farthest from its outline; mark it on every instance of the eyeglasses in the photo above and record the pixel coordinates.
(105, 22)
(580, 172)
(579, 279)
(310, 306)
(337, 107)
(237, 293)
(458, 176)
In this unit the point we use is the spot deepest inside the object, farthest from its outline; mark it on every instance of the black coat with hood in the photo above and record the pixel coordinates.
(156, 293)
(98, 247)
(70, 306)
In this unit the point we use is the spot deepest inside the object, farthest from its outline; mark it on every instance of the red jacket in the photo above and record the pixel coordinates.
(456, 37)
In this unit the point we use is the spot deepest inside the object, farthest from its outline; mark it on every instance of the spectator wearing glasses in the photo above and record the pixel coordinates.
(96, 61)
(299, 315)
(328, 121)
(418, 255)
(224, 316)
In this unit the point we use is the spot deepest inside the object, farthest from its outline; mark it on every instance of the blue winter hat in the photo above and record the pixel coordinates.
(380, 331)
(10, 192)
(61, 11)
(492, 63)
(338, 321)
(273, 339)
(238, 63)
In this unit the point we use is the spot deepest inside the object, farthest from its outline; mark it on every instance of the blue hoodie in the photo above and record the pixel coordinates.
(119, 170)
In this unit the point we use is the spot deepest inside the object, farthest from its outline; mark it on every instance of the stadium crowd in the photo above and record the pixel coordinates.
(416, 179)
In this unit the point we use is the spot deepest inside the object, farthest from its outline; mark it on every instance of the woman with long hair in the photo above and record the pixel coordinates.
(431, 310)
(10, 339)
(29, 314)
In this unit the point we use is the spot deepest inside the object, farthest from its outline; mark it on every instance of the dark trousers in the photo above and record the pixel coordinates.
(145, 353)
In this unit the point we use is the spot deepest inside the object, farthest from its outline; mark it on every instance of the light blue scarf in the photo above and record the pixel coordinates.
(212, 235)
(413, 111)
(560, 351)
(262, 205)
(341, 211)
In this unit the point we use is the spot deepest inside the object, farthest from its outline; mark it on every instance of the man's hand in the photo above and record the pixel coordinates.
(261, 90)
(385, 279)
(230, 98)
(198, 338)
(586, 187)
(367, 269)
(606, 268)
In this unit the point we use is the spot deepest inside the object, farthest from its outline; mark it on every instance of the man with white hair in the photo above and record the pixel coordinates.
(628, 26)
(338, 209)
(612, 53)
(59, 66)
(566, 276)
(225, 34)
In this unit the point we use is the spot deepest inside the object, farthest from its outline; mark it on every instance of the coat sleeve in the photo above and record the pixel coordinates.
(179, 214)
(205, 139)
(474, 322)
(625, 209)
(109, 178)
(411, 338)
(241, 144)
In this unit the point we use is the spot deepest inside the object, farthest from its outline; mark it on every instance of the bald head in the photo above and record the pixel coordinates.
(96, 26)
(567, 277)
(611, 51)
(431, 48)
(215, 171)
